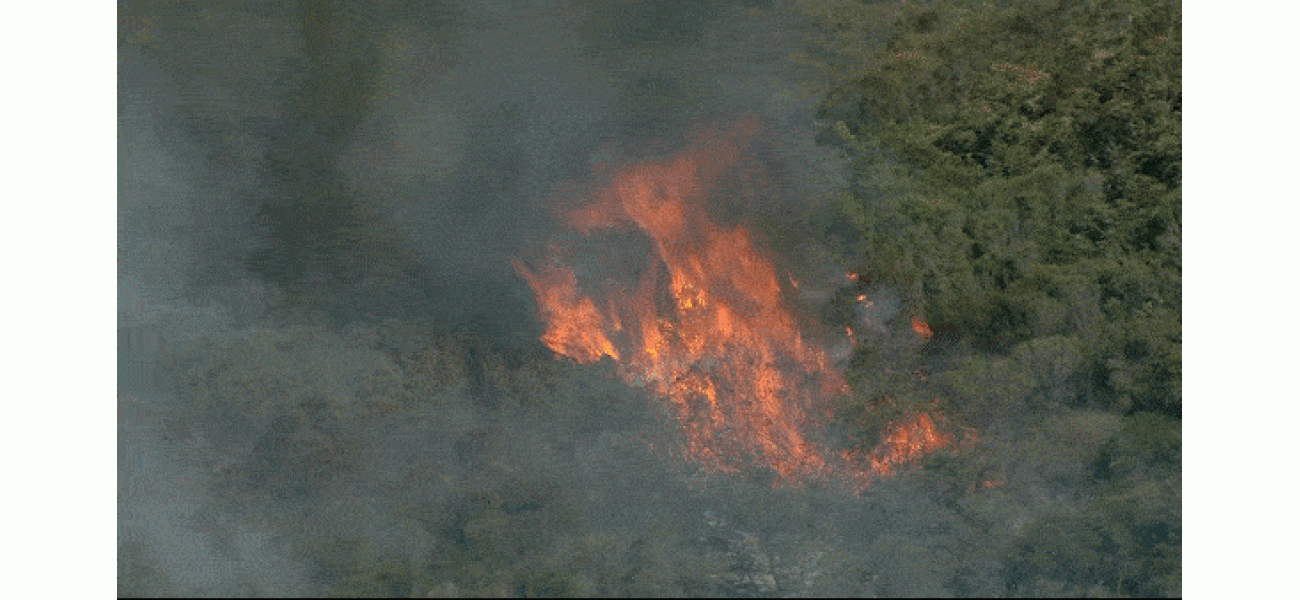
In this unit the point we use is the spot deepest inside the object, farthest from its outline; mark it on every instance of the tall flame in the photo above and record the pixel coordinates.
(705, 327)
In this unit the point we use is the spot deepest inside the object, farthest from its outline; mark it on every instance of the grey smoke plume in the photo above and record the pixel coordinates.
(480, 120)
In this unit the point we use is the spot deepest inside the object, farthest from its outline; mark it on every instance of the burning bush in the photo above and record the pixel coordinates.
(707, 326)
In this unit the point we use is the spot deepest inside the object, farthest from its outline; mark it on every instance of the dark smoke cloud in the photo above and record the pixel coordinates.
(390, 163)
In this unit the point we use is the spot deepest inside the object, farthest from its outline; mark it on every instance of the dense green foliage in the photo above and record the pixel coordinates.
(1017, 170)
(1017, 174)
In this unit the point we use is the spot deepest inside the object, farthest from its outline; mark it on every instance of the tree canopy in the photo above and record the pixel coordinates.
(1018, 172)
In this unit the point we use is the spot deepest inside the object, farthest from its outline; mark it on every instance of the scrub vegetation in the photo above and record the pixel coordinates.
(1014, 183)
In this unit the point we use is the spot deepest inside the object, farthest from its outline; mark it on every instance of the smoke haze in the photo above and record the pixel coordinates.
(318, 209)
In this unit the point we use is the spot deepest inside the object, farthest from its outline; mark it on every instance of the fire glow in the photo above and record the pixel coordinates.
(706, 327)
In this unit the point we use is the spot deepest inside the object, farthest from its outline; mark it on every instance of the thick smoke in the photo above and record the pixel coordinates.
(170, 200)
(479, 134)
(476, 122)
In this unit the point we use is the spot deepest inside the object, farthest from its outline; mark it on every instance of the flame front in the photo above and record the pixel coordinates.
(575, 327)
(705, 327)
(903, 443)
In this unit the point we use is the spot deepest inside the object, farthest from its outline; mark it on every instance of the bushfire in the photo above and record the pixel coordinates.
(705, 327)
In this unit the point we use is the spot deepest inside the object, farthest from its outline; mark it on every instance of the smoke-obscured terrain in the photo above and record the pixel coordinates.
(329, 370)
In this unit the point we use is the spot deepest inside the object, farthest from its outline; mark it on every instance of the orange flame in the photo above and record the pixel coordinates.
(921, 328)
(902, 443)
(706, 327)
(574, 326)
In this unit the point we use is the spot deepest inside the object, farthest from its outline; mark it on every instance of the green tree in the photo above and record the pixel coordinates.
(1128, 541)
(1018, 173)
